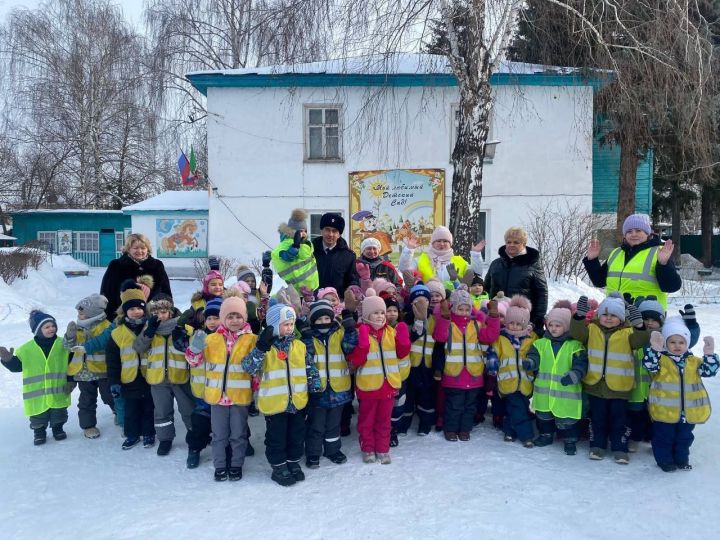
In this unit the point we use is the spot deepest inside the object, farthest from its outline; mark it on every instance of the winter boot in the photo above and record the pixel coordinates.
(338, 458)
(464, 436)
(508, 438)
(148, 441)
(544, 439)
(193, 459)
(91, 432)
(253, 410)
(312, 462)
(451, 436)
(130, 442)
(59, 433)
(40, 436)
(633, 446)
(423, 430)
(368, 457)
(570, 448)
(296, 470)
(684, 467)
(393, 439)
(528, 444)
(668, 467)
(282, 476)
(597, 454)
(221, 474)
(383, 458)
(164, 448)
(621, 458)
(234, 474)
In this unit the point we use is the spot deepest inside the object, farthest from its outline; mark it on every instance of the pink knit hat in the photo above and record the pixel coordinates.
(441, 233)
(560, 313)
(242, 286)
(232, 304)
(372, 303)
(382, 285)
(321, 293)
(212, 274)
(518, 310)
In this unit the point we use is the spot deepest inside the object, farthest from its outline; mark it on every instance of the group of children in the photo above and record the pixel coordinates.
(301, 357)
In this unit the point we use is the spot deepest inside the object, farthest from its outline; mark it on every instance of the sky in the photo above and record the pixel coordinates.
(131, 8)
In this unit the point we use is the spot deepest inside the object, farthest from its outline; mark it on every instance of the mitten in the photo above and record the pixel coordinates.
(528, 365)
(632, 313)
(266, 275)
(78, 349)
(409, 279)
(420, 308)
(492, 307)
(6, 355)
(115, 390)
(71, 331)
(297, 239)
(452, 271)
(152, 326)
(351, 303)
(582, 307)
(688, 315)
(569, 378)
(266, 258)
(307, 294)
(304, 328)
(197, 341)
(348, 322)
(628, 298)
(445, 309)
(363, 270)
(709, 345)
(657, 343)
(214, 262)
(69, 387)
(265, 339)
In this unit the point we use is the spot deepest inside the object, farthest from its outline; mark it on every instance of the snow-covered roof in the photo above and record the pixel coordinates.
(172, 200)
(6, 237)
(65, 211)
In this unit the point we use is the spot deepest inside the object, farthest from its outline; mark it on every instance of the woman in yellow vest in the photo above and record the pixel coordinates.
(168, 373)
(127, 369)
(46, 391)
(87, 365)
(440, 261)
(227, 387)
(641, 266)
(331, 340)
(378, 377)
(288, 375)
(610, 377)
(678, 400)
(463, 360)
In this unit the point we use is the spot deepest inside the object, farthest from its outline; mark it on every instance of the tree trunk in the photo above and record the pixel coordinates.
(676, 214)
(706, 223)
(628, 182)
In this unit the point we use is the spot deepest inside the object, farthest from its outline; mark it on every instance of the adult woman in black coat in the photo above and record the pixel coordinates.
(518, 270)
(135, 261)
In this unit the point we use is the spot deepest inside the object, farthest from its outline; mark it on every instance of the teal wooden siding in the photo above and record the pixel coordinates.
(606, 178)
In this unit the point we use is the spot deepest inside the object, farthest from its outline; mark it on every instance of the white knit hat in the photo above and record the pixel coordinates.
(369, 242)
(675, 326)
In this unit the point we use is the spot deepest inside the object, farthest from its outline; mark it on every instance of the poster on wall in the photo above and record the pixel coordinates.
(181, 237)
(395, 205)
(64, 242)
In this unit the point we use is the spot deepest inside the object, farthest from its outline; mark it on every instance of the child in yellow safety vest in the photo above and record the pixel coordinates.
(504, 360)
(86, 339)
(288, 376)
(610, 377)
(678, 400)
(46, 391)
(127, 370)
(559, 363)
(227, 386)
(400, 411)
(168, 373)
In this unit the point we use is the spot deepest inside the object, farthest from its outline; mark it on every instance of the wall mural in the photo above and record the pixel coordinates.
(181, 237)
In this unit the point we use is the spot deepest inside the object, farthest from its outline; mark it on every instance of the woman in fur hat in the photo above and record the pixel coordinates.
(293, 258)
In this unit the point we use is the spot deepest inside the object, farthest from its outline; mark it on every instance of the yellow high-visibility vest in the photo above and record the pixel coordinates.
(672, 393)
(610, 357)
(223, 374)
(331, 363)
(283, 380)
(381, 364)
(95, 362)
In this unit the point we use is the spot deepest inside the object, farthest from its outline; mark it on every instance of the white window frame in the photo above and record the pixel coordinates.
(490, 144)
(94, 239)
(53, 245)
(119, 241)
(319, 214)
(306, 132)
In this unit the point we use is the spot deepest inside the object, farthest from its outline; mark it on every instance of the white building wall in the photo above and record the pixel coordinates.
(256, 149)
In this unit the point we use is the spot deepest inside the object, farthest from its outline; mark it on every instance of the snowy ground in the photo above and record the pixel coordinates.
(91, 489)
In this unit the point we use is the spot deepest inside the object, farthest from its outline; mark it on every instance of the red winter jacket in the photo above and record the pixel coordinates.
(358, 356)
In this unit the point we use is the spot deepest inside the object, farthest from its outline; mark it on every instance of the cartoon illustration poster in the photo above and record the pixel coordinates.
(181, 237)
(64, 246)
(394, 205)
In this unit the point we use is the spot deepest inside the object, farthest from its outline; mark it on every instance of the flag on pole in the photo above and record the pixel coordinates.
(193, 166)
(184, 168)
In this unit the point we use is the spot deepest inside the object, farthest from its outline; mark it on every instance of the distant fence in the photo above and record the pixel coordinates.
(692, 245)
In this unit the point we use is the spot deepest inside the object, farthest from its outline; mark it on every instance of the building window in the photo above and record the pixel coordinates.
(49, 238)
(491, 142)
(119, 241)
(87, 241)
(315, 221)
(323, 133)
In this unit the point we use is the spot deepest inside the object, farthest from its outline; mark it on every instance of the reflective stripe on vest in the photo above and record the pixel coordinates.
(464, 351)
(221, 375)
(673, 393)
(511, 376)
(421, 349)
(549, 394)
(637, 277)
(129, 359)
(164, 359)
(44, 377)
(331, 363)
(95, 362)
(283, 380)
(381, 364)
(610, 357)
